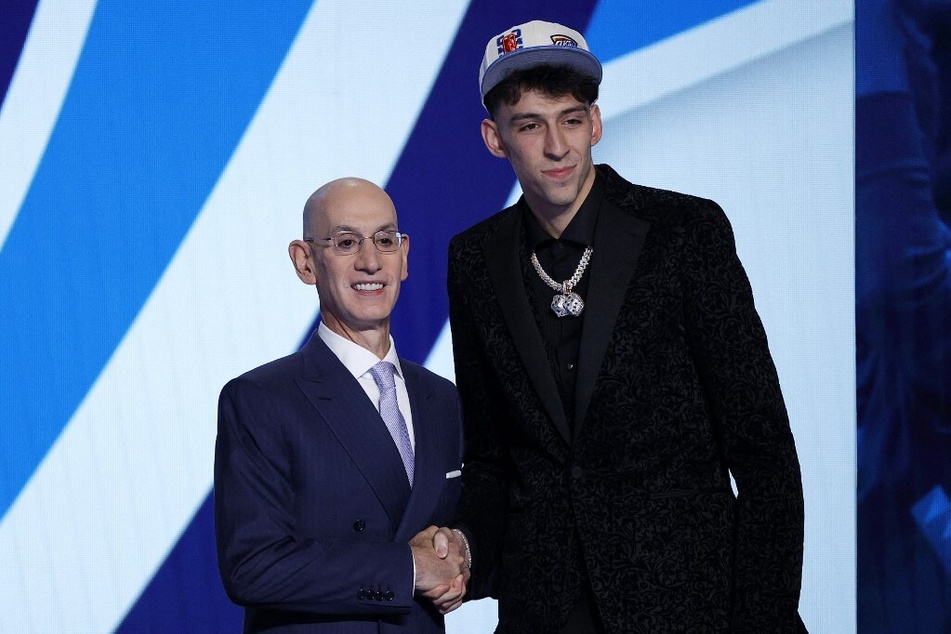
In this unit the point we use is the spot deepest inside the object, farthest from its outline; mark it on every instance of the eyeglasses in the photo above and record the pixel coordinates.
(349, 243)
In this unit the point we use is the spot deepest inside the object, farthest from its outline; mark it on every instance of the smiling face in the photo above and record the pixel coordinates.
(548, 141)
(357, 291)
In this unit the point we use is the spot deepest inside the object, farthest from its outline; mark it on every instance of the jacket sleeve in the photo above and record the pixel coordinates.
(742, 388)
(263, 560)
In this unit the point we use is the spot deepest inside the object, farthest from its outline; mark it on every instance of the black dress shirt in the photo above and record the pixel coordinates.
(559, 258)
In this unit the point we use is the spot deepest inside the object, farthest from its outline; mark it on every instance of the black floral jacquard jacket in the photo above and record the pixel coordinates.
(676, 389)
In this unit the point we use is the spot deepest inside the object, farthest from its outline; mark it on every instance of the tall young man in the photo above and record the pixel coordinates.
(613, 373)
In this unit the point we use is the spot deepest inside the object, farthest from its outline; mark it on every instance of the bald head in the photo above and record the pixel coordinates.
(319, 208)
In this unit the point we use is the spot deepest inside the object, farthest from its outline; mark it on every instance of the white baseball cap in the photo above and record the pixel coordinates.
(532, 44)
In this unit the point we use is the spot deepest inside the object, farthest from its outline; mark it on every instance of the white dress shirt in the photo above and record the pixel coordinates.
(358, 361)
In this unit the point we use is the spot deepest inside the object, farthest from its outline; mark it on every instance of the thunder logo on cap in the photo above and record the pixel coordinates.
(563, 40)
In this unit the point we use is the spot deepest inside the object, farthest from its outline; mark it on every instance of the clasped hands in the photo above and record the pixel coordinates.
(442, 569)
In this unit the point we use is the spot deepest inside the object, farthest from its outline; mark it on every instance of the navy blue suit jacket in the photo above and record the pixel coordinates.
(313, 511)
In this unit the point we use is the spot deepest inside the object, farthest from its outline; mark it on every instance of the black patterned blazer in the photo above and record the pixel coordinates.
(676, 389)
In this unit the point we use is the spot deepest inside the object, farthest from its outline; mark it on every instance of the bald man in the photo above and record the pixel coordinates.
(333, 464)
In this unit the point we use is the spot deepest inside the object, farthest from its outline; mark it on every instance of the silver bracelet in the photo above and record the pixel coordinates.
(465, 542)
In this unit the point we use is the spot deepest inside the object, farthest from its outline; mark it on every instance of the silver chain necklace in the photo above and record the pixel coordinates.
(569, 302)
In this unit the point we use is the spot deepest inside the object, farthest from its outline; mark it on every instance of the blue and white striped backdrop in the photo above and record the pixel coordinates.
(154, 159)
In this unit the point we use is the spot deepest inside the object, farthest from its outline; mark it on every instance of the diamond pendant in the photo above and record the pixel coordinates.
(567, 304)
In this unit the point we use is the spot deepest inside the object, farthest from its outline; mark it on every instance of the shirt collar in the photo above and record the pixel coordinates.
(357, 359)
(581, 228)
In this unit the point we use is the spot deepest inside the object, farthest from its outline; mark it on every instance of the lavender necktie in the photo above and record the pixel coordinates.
(390, 412)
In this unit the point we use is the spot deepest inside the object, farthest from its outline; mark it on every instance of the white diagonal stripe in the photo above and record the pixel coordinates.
(35, 96)
(716, 47)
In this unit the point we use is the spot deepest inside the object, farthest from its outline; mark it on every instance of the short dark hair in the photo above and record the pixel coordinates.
(552, 81)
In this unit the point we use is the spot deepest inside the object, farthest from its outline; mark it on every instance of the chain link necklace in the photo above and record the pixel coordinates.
(569, 302)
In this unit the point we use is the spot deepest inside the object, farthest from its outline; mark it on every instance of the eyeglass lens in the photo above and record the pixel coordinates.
(385, 241)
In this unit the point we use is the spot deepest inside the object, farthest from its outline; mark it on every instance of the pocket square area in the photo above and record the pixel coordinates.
(454, 474)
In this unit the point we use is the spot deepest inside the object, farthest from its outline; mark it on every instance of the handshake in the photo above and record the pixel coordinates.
(442, 567)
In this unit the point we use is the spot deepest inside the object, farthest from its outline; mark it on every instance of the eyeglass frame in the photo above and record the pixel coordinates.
(389, 233)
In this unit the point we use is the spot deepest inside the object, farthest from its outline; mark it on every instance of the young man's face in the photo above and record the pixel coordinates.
(548, 140)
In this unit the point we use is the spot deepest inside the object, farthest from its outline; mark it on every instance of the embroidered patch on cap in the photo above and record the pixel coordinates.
(563, 40)
(509, 42)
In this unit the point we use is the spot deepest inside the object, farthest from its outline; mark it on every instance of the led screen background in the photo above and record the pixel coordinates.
(154, 159)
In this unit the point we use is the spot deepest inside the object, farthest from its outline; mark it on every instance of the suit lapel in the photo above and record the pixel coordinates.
(345, 408)
(505, 271)
(429, 477)
(619, 237)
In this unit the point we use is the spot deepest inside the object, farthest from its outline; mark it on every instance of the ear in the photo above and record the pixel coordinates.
(303, 261)
(404, 253)
(596, 129)
(492, 139)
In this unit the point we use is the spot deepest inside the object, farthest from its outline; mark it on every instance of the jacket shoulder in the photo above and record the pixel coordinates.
(652, 203)
(270, 375)
(480, 231)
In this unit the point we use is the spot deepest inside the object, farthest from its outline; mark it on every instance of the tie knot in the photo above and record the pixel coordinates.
(383, 375)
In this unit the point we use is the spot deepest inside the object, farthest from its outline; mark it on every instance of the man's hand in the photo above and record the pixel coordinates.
(440, 578)
(447, 541)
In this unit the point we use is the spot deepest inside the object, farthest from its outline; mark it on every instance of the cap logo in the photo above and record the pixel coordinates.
(563, 40)
(509, 42)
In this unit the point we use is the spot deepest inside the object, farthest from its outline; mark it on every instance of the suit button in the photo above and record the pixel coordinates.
(362, 594)
(389, 595)
(359, 525)
(576, 472)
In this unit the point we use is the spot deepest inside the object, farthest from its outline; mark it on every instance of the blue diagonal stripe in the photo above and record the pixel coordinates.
(162, 93)
(14, 25)
(621, 26)
(186, 594)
